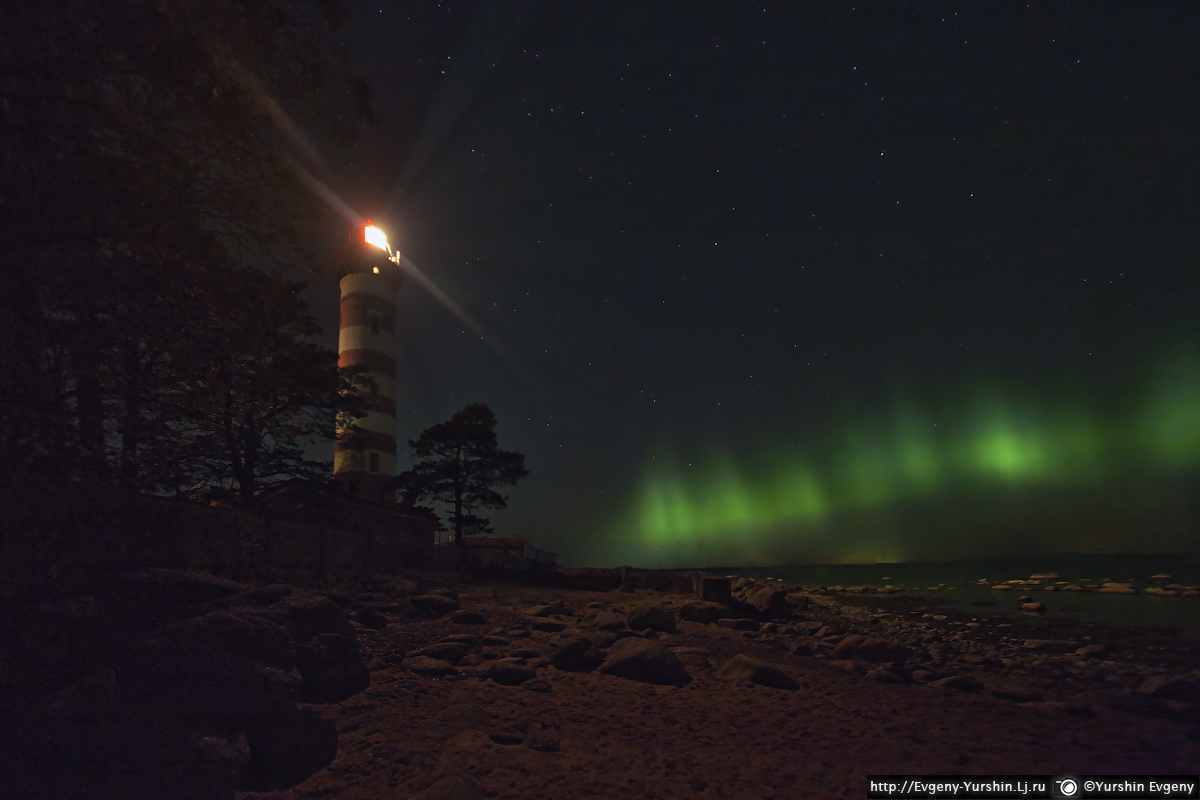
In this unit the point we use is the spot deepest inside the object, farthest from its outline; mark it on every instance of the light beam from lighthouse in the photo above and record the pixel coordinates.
(367, 338)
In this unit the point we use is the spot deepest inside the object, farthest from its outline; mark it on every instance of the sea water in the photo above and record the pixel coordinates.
(1136, 610)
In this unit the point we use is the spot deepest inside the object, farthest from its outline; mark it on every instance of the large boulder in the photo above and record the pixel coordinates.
(744, 668)
(370, 616)
(769, 601)
(429, 667)
(1168, 687)
(692, 656)
(557, 608)
(193, 694)
(129, 604)
(87, 741)
(435, 604)
(221, 663)
(510, 673)
(605, 639)
(739, 624)
(856, 647)
(700, 611)
(305, 616)
(332, 668)
(645, 660)
(604, 620)
(548, 626)
(286, 749)
(450, 652)
(467, 640)
(651, 617)
(578, 656)
(495, 640)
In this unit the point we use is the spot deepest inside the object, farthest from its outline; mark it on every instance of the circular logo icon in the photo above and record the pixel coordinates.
(1068, 788)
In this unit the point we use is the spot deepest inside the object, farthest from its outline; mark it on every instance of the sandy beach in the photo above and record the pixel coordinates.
(963, 698)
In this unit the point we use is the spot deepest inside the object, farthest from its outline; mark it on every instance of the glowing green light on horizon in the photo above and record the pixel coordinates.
(1010, 453)
(797, 495)
(1171, 425)
(727, 498)
(916, 454)
(994, 441)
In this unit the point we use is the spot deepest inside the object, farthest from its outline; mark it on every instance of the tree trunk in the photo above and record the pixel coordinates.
(246, 490)
(458, 517)
(241, 459)
(132, 417)
(268, 530)
(246, 480)
(89, 401)
(91, 425)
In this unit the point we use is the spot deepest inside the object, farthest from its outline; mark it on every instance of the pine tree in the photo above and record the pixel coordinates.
(458, 463)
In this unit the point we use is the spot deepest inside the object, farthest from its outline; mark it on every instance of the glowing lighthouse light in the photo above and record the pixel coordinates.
(376, 237)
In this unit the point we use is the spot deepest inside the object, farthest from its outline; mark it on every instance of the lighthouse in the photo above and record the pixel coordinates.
(364, 464)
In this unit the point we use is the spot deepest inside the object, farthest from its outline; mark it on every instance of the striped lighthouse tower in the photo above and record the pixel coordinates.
(367, 337)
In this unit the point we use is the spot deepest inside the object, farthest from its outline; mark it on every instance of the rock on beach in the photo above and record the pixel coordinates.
(744, 668)
(429, 667)
(645, 660)
(704, 612)
(861, 648)
(435, 605)
(651, 617)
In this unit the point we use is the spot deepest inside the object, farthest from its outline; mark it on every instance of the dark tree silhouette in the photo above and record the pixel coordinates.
(260, 389)
(459, 463)
(144, 155)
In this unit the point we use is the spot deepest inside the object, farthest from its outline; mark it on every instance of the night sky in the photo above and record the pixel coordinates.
(803, 282)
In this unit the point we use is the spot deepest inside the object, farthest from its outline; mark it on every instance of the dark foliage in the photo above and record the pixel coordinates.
(150, 210)
(458, 463)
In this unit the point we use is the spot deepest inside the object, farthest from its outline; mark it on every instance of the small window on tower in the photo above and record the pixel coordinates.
(374, 319)
(373, 460)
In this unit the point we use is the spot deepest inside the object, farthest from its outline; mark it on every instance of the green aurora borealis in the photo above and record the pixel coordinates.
(1080, 471)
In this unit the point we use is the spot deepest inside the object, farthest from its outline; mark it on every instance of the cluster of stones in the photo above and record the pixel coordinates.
(1039, 581)
(601, 638)
(1103, 586)
(668, 641)
(622, 645)
(1080, 673)
(953, 655)
(611, 641)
